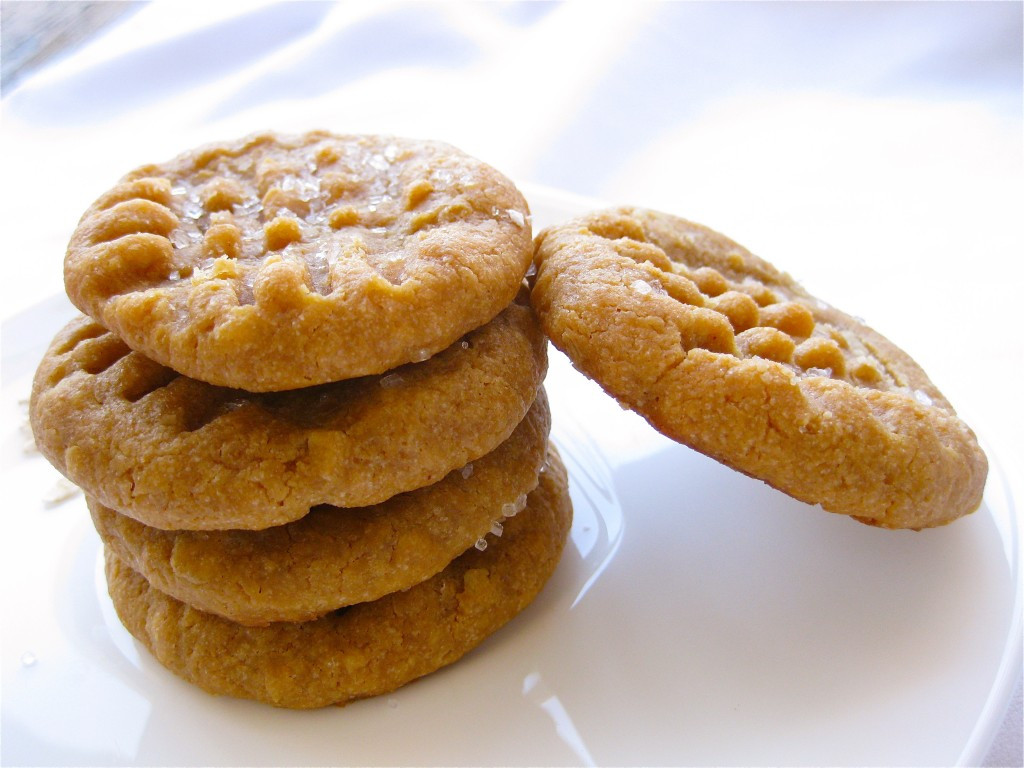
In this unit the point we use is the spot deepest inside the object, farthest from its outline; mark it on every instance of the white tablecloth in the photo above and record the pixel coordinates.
(872, 149)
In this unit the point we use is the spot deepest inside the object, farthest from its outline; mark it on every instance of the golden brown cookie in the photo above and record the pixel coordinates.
(336, 557)
(365, 649)
(176, 453)
(277, 262)
(721, 351)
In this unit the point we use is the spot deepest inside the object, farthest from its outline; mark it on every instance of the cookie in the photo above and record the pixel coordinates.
(335, 557)
(176, 453)
(278, 262)
(365, 649)
(721, 351)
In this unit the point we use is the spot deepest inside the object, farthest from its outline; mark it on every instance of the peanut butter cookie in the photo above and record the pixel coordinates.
(336, 557)
(365, 649)
(278, 262)
(176, 453)
(721, 351)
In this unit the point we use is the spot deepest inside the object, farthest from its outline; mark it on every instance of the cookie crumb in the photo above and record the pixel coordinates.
(61, 491)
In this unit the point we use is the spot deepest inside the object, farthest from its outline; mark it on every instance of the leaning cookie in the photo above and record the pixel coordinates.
(721, 351)
(366, 649)
(277, 262)
(176, 453)
(336, 557)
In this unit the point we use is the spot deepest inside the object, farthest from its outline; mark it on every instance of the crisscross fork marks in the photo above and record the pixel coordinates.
(129, 217)
(97, 354)
(776, 322)
(143, 377)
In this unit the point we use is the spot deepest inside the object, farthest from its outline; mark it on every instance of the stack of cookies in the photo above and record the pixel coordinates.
(306, 407)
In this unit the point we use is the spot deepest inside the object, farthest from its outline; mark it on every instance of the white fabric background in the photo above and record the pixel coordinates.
(873, 149)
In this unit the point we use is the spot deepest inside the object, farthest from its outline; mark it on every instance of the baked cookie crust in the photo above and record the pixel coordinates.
(336, 557)
(176, 453)
(277, 262)
(721, 351)
(366, 649)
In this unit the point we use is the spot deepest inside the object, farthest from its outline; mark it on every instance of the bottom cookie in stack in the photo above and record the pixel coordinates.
(365, 649)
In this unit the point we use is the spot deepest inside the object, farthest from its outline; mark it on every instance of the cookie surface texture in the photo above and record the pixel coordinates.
(335, 557)
(176, 453)
(278, 262)
(367, 649)
(721, 351)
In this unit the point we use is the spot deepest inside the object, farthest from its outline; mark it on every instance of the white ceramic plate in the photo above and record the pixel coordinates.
(698, 617)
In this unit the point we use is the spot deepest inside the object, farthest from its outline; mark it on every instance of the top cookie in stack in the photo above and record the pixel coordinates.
(275, 263)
